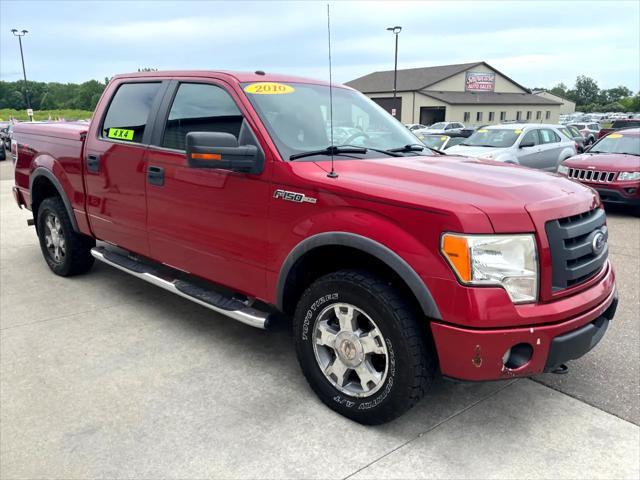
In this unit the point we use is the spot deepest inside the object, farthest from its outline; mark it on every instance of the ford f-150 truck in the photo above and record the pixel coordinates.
(267, 196)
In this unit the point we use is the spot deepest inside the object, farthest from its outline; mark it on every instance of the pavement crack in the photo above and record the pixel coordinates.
(430, 429)
(62, 317)
(583, 400)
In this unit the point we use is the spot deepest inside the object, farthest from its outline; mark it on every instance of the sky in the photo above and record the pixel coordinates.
(538, 43)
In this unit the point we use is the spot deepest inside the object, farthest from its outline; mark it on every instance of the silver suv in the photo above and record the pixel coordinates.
(532, 145)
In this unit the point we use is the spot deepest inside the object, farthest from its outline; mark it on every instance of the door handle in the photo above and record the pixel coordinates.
(93, 163)
(155, 175)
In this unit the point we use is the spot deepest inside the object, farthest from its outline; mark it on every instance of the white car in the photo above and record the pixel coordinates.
(445, 128)
(415, 126)
(539, 146)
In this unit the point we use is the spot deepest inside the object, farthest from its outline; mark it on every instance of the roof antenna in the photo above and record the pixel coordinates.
(332, 173)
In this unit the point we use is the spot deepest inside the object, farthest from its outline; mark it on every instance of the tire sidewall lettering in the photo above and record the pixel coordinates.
(339, 398)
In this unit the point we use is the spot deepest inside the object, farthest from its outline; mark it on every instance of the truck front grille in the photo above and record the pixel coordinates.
(575, 255)
(595, 176)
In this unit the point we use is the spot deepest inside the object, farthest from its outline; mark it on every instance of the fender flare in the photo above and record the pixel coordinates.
(381, 252)
(45, 172)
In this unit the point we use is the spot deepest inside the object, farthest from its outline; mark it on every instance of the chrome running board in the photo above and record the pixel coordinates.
(230, 307)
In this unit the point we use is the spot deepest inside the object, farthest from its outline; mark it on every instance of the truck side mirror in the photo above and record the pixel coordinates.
(221, 151)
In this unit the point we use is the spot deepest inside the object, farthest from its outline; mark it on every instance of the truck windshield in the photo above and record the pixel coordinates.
(618, 143)
(297, 117)
(496, 137)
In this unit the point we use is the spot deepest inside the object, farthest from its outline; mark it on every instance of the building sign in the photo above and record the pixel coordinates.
(480, 82)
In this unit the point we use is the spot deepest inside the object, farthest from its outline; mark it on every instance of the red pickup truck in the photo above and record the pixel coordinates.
(266, 196)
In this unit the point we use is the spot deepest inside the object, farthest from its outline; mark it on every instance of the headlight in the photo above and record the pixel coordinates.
(629, 176)
(563, 169)
(508, 261)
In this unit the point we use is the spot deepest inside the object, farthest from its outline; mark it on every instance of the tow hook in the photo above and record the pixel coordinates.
(561, 370)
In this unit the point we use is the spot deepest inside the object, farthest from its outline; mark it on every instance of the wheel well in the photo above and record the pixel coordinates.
(41, 189)
(330, 258)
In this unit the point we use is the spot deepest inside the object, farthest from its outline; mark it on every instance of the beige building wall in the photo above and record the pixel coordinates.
(455, 113)
(456, 83)
(567, 105)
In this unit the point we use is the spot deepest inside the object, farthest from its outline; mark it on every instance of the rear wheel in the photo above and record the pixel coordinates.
(66, 252)
(361, 347)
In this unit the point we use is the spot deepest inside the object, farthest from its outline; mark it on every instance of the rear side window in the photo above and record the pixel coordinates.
(549, 136)
(128, 112)
(200, 107)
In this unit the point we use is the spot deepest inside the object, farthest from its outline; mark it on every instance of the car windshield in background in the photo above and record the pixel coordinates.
(625, 124)
(618, 143)
(434, 141)
(438, 126)
(495, 137)
(297, 116)
(566, 132)
(574, 131)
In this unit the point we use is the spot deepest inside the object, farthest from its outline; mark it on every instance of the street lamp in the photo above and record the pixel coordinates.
(395, 30)
(21, 34)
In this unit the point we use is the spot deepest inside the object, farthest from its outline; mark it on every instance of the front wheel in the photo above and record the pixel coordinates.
(361, 346)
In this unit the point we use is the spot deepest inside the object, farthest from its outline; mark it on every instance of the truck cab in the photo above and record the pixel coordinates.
(267, 197)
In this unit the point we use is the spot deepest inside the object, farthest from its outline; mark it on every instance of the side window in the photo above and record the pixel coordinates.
(530, 137)
(478, 116)
(529, 115)
(548, 115)
(200, 107)
(503, 116)
(467, 116)
(518, 115)
(128, 113)
(549, 136)
(491, 115)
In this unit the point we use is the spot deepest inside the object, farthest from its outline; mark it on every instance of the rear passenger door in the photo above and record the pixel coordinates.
(208, 222)
(530, 156)
(114, 165)
(551, 147)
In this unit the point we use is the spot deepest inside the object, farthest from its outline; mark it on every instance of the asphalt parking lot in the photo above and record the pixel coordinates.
(104, 376)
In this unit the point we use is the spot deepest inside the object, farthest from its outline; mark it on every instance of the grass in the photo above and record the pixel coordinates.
(7, 113)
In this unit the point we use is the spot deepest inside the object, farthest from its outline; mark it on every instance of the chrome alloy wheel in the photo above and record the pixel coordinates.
(54, 238)
(350, 350)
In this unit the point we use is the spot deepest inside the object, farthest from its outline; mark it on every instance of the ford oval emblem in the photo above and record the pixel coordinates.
(598, 242)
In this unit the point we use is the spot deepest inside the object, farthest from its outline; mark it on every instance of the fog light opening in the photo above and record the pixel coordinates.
(517, 356)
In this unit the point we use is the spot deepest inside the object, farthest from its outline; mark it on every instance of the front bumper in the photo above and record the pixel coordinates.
(476, 355)
(621, 196)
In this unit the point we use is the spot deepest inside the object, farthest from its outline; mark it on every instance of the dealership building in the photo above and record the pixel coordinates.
(471, 93)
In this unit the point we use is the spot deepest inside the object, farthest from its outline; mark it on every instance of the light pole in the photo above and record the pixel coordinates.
(21, 34)
(395, 30)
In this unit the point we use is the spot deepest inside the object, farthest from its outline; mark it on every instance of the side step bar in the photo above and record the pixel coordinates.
(211, 299)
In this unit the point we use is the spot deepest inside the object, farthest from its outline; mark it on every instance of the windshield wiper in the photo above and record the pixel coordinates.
(415, 147)
(330, 150)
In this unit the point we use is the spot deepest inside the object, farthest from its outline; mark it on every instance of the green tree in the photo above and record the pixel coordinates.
(586, 90)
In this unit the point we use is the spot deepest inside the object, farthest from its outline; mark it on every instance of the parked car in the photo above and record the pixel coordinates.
(446, 128)
(391, 261)
(415, 126)
(440, 142)
(532, 145)
(611, 166)
(620, 124)
(574, 134)
(589, 131)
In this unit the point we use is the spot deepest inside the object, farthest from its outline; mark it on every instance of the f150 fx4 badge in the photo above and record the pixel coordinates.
(293, 196)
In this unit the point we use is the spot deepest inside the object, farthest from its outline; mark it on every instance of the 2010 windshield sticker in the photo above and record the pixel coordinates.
(615, 135)
(269, 88)
(120, 133)
(517, 131)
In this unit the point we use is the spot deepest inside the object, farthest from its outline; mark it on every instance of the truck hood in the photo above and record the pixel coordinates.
(610, 162)
(473, 151)
(503, 192)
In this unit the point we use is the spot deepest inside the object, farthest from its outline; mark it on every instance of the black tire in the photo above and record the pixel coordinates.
(77, 256)
(411, 361)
